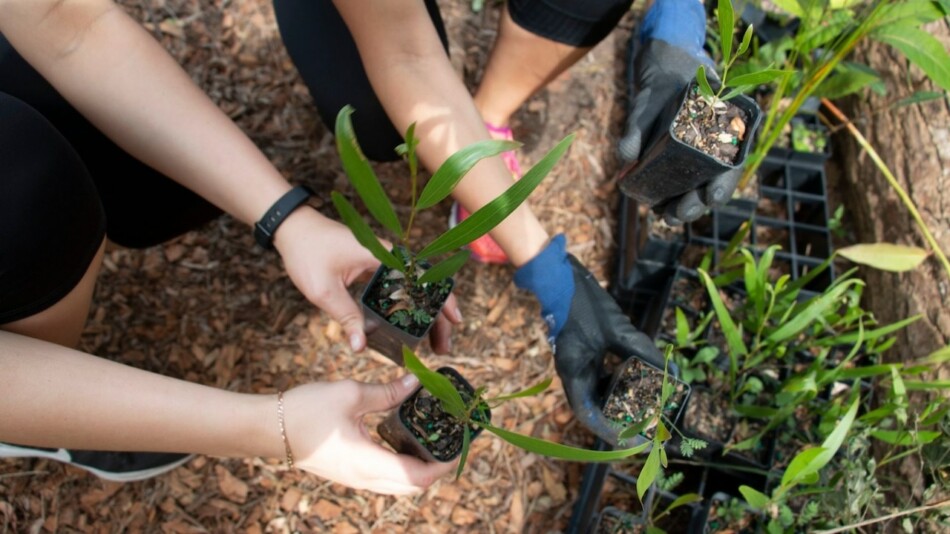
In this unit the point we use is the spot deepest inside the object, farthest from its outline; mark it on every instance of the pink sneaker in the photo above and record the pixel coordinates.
(485, 249)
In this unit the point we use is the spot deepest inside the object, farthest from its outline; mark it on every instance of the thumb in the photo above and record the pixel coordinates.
(382, 397)
(343, 309)
(639, 125)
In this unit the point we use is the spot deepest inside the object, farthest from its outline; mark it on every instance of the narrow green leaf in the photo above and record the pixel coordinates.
(466, 443)
(796, 468)
(754, 497)
(559, 451)
(921, 48)
(834, 440)
(361, 174)
(683, 500)
(919, 97)
(682, 328)
(726, 20)
(733, 336)
(436, 383)
(897, 384)
(870, 335)
(885, 256)
(746, 40)
(867, 371)
(936, 357)
(906, 437)
(703, 83)
(912, 13)
(848, 79)
(755, 412)
(457, 166)
(926, 385)
(445, 268)
(815, 308)
(757, 78)
(530, 392)
(649, 471)
(790, 6)
(491, 214)
(363, 233)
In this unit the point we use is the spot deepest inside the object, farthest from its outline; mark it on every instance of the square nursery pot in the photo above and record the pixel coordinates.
(633, 392)
(388, 338)
(669, 167)
(399, 430)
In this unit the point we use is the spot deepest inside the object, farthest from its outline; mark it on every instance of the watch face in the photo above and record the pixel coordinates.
(264, 229)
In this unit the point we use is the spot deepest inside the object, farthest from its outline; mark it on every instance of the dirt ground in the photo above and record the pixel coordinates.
(212, 308)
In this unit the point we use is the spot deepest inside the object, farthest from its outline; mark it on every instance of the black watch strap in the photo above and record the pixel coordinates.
(264, 229)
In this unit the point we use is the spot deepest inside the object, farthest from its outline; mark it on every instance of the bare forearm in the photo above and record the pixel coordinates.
(58, 397)
(416, 83)
(114, 73)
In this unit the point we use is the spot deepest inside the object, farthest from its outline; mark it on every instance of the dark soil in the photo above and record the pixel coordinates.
(637, 392)
(676, 521)
(745, 429)
(725, 518)
(708, 416)
(717, 131)
(435, 429)
(415, 317)
(619, 523)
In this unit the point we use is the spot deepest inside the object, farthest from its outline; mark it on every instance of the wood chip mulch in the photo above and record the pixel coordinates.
(212, 308)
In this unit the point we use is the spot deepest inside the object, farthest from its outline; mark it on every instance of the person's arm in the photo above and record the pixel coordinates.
(415, 82)
(118, 77)
(58, 397)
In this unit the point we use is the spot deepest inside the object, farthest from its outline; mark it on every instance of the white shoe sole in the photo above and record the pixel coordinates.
(62, 455)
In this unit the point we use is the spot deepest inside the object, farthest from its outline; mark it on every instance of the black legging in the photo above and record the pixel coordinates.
(324, 52)
(63, 185)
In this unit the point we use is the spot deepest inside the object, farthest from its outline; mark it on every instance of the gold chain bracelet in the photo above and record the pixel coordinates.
(283, 429)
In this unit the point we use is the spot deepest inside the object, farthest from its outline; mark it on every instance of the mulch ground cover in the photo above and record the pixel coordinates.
(212, 308)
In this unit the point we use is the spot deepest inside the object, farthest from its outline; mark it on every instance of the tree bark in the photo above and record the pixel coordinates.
(914, 141)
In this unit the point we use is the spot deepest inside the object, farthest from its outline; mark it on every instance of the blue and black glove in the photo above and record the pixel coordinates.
(584, 323)
(668, 52)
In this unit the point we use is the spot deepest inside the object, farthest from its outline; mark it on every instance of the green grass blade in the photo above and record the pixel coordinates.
(757, 78)
(814, 309)
(436, 383)
(457, 166)
(466, 443)
(445, 268)
(363, 233)
(733, 336)
(491, 214)
(530, 392)
(870, 335)
(726, 21)
(361, 174)
(559, 451)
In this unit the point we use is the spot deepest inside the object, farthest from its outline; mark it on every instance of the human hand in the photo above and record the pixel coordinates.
(323, 258)
(584, 323)
(324, 426)
(670, 50)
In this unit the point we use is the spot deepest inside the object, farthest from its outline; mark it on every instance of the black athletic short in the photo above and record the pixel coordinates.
(63, 186)
(326, 56)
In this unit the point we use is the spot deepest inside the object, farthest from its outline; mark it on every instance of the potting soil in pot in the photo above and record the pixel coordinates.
(414, 310)
(708, 416)
(717, 130)
(435, 429)
(637, 393)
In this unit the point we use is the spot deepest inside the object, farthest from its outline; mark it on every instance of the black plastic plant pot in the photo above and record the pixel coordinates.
(388, 338)
(615, 521)
(768, 27)
(633, 392)
(669, 167)
(403, 430)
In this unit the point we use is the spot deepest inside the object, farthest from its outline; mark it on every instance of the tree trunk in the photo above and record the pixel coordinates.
(914, 141)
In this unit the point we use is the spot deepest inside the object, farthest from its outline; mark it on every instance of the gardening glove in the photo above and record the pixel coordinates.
(584, 323)
(670, 50)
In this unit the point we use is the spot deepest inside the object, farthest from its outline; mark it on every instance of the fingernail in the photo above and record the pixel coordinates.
(692, 213)
(356, 342)
(410, 381)
(458, 315)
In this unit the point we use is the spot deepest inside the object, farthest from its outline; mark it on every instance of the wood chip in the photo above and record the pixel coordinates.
(231, 487)
(326, 510)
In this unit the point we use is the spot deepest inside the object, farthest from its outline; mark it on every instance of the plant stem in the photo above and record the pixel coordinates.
(908, 202)
(942, 504)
